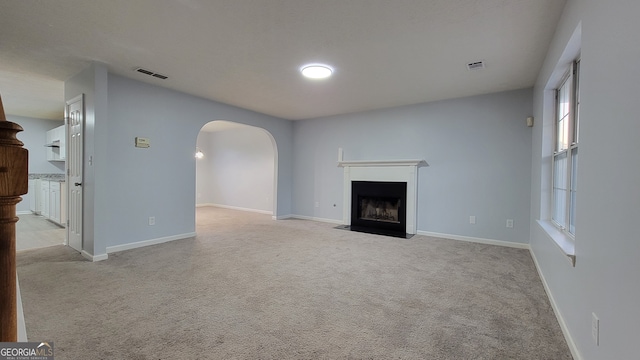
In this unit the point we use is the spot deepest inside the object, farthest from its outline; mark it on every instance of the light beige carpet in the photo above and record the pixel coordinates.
(248, 287)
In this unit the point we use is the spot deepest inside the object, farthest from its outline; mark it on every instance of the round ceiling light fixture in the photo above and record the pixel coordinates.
(316, 71)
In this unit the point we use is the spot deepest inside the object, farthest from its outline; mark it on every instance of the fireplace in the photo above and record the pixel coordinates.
(379, 207)
(375, 173)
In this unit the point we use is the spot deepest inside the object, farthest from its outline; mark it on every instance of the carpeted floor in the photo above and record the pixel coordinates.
(248, 287)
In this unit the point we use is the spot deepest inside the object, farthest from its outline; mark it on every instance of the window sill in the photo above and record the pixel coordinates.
(565, 243)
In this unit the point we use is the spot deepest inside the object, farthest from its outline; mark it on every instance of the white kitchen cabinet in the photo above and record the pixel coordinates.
(63, 203)
(44, 198)
(51, 202)
(54, 201)
(62, 135)
(35, 194)
(51, 147)
(55, 143)
(57, 202)
(32, 200)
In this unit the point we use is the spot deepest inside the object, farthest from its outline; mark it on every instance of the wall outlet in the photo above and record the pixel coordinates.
(152, 220)
(510, 223)
(472, 219)
(595, 328)
(317, 204)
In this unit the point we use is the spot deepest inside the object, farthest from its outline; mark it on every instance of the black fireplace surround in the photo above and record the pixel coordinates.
(379, 207)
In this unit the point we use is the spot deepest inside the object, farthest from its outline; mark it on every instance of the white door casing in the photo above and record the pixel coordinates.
(75, 147)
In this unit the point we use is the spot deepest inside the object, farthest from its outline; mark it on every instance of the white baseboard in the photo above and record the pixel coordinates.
(563, 325)
(204, 205)
(94, 258)
(139, 244)
(313, 218)
(476, 240)
(27, 212)
(22, 327)
(282, 217)
(266, 212)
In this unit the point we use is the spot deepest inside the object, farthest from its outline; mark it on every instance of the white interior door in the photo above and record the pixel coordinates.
(75, 147)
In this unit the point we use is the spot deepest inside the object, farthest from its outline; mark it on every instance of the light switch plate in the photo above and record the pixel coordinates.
(142, 142)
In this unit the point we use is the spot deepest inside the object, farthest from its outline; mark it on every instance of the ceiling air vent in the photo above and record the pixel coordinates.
(151, 73)
(477, 65)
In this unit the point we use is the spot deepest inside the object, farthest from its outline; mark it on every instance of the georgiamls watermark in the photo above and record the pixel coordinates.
(26, 350)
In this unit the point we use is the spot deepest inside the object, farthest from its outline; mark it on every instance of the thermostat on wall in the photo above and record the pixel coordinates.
(142, 142)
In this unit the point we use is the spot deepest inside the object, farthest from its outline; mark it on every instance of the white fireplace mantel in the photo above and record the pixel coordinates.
(361, 163)
(384, 170)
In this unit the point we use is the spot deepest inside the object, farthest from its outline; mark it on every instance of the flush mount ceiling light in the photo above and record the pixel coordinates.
(316, 71)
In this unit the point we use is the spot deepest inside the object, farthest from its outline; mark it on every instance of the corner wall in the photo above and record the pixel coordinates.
(605, 279)
(160, 181)
(125, 185)
(478, 150)
(92, 82)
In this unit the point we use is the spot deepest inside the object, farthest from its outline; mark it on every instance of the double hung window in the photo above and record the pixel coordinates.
(565, 155)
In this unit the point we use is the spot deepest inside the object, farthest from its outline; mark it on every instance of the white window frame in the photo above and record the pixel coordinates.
(570, 177)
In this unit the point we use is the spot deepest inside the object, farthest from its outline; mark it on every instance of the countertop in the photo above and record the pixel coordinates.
(48, 177)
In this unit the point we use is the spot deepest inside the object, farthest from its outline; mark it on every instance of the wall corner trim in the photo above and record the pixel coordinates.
(476, 240)
(563, 325)
(143, 243)
(22, 327)
(94, 258)
(239, 208)
(312, 218)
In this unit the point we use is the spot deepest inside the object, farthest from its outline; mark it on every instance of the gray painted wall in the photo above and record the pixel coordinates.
(34, 138)
(605, 277)
(239, 166)
(127, 185)
(479, 156)
(92, 82)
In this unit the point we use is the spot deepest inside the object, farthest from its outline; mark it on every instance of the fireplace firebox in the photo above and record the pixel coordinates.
(379, 207)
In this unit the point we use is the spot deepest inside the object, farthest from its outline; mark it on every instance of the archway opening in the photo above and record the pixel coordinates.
(236, 167)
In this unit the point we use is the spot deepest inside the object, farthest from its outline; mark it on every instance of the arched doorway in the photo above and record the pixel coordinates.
(236, 167)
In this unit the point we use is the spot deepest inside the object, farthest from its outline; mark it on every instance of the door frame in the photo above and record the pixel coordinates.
(72, 158)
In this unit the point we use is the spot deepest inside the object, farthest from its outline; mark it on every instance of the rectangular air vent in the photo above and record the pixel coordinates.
(151, 73)
(477, 65)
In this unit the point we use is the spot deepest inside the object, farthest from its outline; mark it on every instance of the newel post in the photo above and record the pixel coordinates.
(13, 183)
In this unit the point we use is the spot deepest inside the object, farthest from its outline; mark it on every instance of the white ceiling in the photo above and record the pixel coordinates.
(248, 52)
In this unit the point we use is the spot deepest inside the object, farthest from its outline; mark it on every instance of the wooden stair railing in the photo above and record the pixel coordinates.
(13, 183)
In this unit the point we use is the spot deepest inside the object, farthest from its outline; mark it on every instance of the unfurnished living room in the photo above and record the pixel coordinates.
(322, 179)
